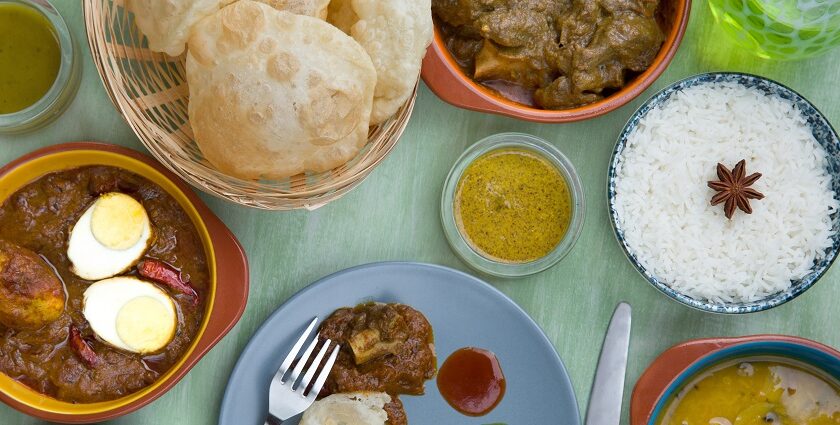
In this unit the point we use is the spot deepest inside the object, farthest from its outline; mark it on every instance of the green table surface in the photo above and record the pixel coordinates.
(394, 214)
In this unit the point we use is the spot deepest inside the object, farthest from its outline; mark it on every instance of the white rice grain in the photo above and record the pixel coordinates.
(662, 200)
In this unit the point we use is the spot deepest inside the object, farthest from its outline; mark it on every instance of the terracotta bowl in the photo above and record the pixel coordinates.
(678, 365)
(226, 259)
(446, 79)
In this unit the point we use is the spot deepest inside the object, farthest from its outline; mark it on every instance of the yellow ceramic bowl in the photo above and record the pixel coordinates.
(226, 261)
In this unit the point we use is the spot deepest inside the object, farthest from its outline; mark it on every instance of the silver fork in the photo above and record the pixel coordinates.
(285, 399)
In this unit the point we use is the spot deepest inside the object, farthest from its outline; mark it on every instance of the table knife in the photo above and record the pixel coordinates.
(608, 388)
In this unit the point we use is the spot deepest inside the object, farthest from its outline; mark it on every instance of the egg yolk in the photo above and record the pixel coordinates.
(118, 221)
(145, 324)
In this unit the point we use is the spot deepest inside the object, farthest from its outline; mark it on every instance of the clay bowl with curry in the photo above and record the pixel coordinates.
(762, 379)
(551, 61)
(115, 279)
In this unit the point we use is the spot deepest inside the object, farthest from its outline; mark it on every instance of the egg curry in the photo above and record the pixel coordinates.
(764, 391)
(103, 284)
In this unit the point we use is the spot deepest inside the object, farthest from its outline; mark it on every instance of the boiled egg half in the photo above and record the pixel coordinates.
(130, 314)
(110, 236)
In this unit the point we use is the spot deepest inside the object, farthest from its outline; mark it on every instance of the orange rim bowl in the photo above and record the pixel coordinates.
(682, 362)
(446, 79)
(226, 260)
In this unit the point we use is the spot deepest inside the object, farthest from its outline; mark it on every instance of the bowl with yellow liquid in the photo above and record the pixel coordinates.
(780, 29)
(512, 205)
(39, 65)
(761, 379)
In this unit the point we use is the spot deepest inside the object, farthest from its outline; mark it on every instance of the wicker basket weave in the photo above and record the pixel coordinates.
(150, 90)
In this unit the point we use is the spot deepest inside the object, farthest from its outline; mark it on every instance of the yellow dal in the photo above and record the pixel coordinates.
(756, 392)
(512, 205)
(29, 57)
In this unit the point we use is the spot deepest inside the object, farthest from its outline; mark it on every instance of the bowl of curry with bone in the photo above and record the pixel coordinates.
(550, 60)
(115, 279)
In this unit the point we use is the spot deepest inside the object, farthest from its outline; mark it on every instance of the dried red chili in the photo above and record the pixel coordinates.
(168, 275)
(82, 348)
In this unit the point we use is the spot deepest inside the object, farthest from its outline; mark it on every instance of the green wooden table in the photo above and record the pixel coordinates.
(572, 301)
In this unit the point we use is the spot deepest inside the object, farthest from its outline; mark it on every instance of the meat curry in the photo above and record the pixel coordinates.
(384, 348)
(552, 54)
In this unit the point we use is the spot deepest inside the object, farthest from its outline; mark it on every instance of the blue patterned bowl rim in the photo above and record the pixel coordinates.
(823, 132)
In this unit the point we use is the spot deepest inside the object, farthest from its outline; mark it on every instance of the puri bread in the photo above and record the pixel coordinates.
(348, 409)
(167, 23)
(395, 33)
(274, 94)
(316, 8)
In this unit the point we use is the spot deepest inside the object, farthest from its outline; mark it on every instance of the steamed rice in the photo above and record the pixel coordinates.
(662, 200)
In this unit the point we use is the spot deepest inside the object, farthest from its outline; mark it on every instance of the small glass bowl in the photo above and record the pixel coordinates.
(490, 266)
(66, 83)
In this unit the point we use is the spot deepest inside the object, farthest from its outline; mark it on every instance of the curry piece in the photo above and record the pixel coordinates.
(38, 217)
(396, 412)
(372, 343)
(384, 347)
(560, 53)
(31, 295)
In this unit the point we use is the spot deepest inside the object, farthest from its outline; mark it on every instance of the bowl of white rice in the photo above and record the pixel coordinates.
(660, 201)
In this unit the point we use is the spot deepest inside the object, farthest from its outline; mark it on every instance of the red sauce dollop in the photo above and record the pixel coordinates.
(471, 381)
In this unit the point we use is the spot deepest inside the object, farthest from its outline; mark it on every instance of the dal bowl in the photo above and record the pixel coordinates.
(815, 123)
(448, 81)
(678, 366)
(228, 291)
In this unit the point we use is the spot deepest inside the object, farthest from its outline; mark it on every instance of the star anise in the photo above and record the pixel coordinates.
(734, 188)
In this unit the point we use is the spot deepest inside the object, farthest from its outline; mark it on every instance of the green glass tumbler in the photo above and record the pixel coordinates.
(781, 29)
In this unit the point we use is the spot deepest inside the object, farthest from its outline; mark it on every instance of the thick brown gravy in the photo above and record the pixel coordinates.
(403, 371)
(384, 348)
(551, 54)
(38, 217)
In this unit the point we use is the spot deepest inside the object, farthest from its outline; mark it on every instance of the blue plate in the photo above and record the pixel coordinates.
(463, 310)
(823, 133)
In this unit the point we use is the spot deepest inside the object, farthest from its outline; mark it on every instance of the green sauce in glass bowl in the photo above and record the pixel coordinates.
(29, 57)
(39, 65)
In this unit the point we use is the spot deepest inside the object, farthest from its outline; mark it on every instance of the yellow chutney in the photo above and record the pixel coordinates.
(766, 392)
(30, 57)
(512, 205)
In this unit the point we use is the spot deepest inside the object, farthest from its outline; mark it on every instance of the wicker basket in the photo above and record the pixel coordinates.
(149, 89)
